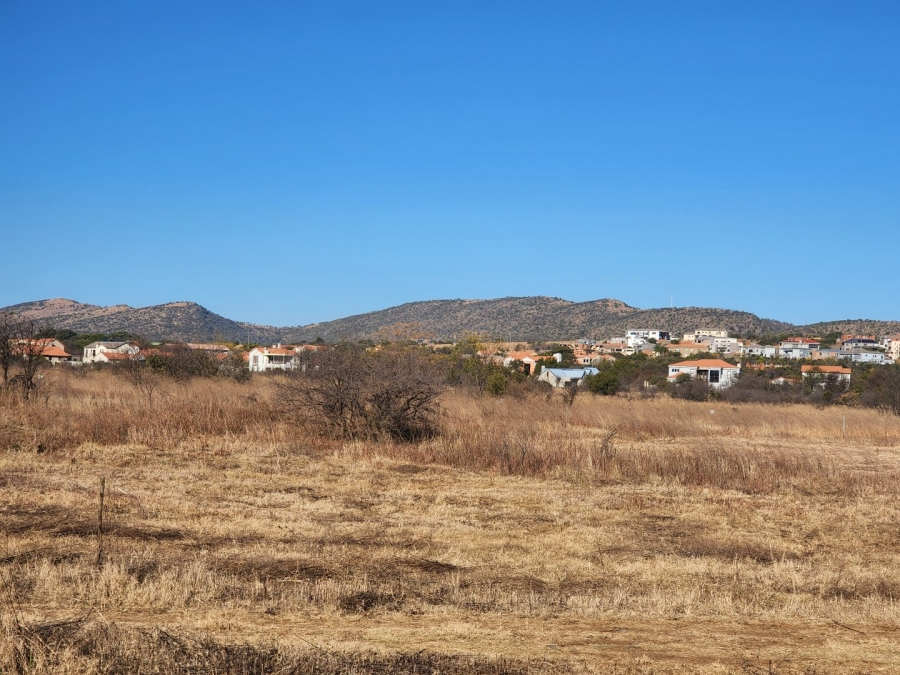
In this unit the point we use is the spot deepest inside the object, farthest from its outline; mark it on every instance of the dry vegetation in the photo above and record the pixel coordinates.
(615, 535)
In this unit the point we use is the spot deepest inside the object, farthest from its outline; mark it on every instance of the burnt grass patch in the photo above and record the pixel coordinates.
(273, 569)
(108, 649)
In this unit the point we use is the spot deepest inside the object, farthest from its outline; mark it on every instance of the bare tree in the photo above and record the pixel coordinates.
(27, 350)
(141, 377)
(9, 332)
(351, 393)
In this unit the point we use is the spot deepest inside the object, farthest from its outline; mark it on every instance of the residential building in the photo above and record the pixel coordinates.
(753, 349)
(51, 349)
(688, 348)
(704, 332)
(93, 350)
(562, 377)
(891, 344)
(798, 348)
(593, 359)
(717, 373)
(616, 348)
(861, 342)
(865, 356)
(822, 374)
(800, 343)
(648, 334)
(263, 359)
(528, 359)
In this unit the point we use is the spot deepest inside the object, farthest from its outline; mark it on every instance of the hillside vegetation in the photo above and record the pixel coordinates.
(518, 319)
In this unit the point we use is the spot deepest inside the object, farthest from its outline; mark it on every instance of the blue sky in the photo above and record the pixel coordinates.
(286, 163)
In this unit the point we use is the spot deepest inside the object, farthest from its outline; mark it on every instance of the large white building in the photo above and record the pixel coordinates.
(648, 334)
(715, 372)
(94, 351)
(704, 332)
(263, 359)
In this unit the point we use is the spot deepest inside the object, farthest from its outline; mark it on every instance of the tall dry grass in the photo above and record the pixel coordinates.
(613, 535)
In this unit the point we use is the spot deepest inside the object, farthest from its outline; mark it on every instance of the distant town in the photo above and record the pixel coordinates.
(714, 356)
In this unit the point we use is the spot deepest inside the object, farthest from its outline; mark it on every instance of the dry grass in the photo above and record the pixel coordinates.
(644, 536)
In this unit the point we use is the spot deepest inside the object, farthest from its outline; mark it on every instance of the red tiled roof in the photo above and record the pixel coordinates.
(55, 352)
(825, 369)
(115, 356)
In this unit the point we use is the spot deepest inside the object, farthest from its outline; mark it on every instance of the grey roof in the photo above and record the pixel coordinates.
(108, 345)
(572, 373)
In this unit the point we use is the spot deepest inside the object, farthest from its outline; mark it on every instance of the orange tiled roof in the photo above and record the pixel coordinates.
(116, 356)
(825, 369)
(54, 352)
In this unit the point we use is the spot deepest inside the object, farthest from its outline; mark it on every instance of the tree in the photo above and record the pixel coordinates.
(349, 392)
(20, 344)
(605, 383)
(9, 331)
(141, 377)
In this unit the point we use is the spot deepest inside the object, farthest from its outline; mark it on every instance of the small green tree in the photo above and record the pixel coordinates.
(604, 383)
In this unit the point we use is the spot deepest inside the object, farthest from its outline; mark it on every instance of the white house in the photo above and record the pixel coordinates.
(704, 332)
(717, 373)
(860, 343)
(753, 349)
(722, 345)
(821, 374)
(865, 356)
(263, 359)
(93, 351)
(648, 334)
(798, 348)
(561, 377)
(892, 344)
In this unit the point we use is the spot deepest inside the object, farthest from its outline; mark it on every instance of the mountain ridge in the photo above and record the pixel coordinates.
(527, 318)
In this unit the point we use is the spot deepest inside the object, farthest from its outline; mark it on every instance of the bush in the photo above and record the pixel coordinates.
(351, 393)
(605, 383)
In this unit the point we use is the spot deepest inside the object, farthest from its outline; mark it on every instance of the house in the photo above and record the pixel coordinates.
(93, 350)
(648, 334)
(801, 343)
(117, 357)
(798, 347)
(891, 343)
(822, 374)
(753, 349)
(593, 359)
(529, 360)
(860, 342)
(704, 332)
(51, 349)
(562, 377)
(717, 373)
(865, 356)
(615, 348)
(263, 359)
(721, 345)
(688, 348)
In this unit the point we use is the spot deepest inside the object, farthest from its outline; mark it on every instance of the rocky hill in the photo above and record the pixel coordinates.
(518, 319)
(532, 318)
(186, 321)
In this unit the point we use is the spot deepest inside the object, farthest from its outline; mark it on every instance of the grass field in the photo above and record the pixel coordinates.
(615, 535)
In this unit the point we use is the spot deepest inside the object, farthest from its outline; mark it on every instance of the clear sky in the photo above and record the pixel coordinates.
(288, 162)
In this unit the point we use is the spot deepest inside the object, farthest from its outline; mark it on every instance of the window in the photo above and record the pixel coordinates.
(714, 376)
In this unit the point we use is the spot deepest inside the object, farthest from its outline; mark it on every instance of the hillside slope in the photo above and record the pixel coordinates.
(533, 318)
(520, 319)
(186, 321)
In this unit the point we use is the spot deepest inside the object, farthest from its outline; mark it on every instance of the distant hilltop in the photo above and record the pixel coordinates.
(527, 319)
